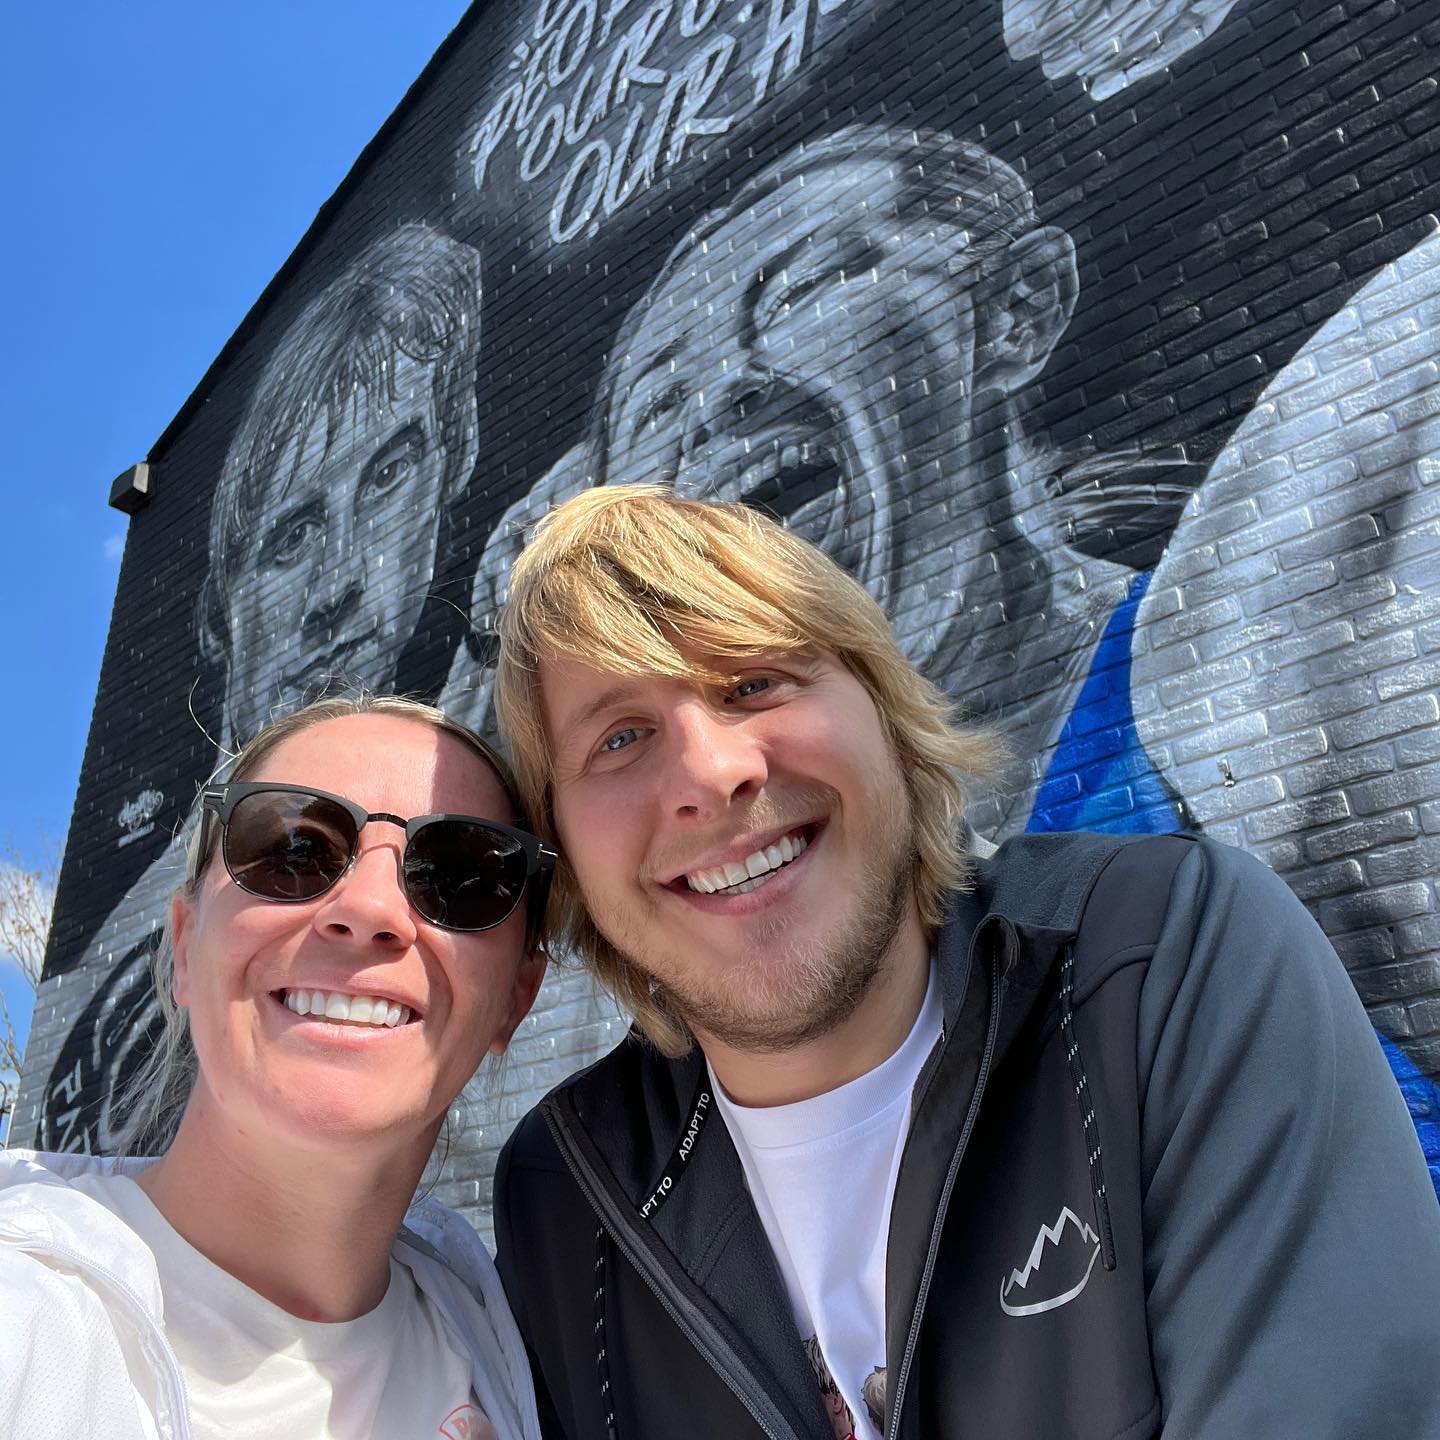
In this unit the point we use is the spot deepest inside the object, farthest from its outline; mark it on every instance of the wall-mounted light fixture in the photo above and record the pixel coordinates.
(133, 490)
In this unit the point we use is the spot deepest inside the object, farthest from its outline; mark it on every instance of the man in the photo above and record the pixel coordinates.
(323, 533)
(1041, 1143)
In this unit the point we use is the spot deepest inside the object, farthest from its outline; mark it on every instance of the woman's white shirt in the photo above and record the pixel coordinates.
(84, 1338)
(253, 1371)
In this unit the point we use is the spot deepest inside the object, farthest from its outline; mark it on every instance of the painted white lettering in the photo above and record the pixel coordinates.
(621, 183)
(534, 84)
(695, 15)
(566, 224)
(581, 117)
(611, 15)
(492, 131)
(537, 154)
(545, 18)
(562, 65)
(785, 32)
(696, 84)
(635, 45)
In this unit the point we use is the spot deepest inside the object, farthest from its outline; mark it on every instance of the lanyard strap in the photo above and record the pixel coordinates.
(700, 1108)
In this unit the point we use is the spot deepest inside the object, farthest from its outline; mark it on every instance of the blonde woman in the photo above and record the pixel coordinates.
(355, 934)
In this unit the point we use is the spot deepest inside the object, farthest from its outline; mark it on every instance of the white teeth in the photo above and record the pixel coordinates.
(354, 1009)
(734, 876)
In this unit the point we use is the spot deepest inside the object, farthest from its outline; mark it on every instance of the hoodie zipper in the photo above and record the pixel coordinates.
(712, 1346)
(896, 1400)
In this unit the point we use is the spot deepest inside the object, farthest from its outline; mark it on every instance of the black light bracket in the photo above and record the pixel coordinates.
(133, 490)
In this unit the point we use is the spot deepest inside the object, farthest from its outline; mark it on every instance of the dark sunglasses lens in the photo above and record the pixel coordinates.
(464, 875)
(288, 847)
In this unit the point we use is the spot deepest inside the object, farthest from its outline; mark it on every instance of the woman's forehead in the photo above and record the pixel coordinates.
(399, 763)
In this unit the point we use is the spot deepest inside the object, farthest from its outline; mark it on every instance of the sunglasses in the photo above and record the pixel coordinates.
(291, 843)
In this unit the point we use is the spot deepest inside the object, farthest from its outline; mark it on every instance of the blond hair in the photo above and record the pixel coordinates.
(633, 580)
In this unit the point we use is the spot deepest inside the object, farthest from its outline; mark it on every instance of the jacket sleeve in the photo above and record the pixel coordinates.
(64, 1369)
(1292, 1236)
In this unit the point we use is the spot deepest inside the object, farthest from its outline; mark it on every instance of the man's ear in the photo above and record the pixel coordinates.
(522, 997)
(182, 930)
(1026, 304)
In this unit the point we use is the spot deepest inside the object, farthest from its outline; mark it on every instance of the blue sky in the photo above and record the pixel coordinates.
(160, 162)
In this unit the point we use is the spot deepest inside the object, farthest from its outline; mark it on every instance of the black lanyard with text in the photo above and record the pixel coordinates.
(699, 1113)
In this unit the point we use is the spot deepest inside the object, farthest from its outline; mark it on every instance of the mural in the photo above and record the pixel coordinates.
(1101, 342)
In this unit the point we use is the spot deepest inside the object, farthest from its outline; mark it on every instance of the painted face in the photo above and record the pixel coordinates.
(749, 849)
(317, 1081)
(811, 358)
(337, 572)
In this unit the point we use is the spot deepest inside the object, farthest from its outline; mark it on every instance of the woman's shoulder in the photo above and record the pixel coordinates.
(54, 1210)
(447, 1238)
(456, 1274)
(78, 1290)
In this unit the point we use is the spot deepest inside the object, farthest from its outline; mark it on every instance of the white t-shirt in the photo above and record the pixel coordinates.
(822, 1175)
(255, 1372)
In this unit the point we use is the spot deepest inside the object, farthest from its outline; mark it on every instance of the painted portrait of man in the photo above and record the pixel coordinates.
(361, 431)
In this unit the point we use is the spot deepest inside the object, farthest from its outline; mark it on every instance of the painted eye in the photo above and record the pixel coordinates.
(394, 465)
(792, 295)
(661, 404)
(391, 473)
(290, 539)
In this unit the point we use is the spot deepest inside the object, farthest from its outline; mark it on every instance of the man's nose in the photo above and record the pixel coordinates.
(368, 905)
(716, 760)
(327, 612)
(336, 587)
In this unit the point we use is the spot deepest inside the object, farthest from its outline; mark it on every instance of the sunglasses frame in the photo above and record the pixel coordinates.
(218, 802)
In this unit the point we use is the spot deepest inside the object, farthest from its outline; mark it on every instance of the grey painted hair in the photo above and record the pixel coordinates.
(155, 1097)
(415, 293)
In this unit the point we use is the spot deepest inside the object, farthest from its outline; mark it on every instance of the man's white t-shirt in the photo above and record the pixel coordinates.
(255, 1372)
(822, 1175)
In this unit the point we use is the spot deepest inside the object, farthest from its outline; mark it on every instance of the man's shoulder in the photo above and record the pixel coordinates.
(1049, 881)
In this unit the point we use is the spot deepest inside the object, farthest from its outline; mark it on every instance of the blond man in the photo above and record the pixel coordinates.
(1085, 1137)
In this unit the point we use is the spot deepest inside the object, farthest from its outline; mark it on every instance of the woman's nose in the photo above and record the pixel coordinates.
(369, 905)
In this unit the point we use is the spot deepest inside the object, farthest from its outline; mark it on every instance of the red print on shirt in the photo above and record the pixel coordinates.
(467, 1422)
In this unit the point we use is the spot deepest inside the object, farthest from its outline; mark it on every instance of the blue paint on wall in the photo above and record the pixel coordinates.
(1100, 777)
(1422, 1095)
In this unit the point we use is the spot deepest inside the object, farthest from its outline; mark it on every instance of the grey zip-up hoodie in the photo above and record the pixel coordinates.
(1158, 1182)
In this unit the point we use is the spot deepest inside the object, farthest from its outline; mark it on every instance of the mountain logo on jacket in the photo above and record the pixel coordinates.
(1066, 1249)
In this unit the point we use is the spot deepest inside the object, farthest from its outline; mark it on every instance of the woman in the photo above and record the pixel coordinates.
(336, 969)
